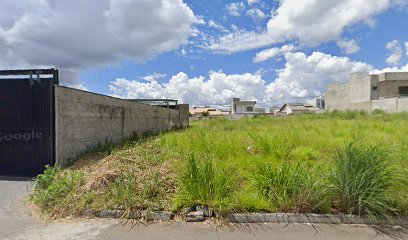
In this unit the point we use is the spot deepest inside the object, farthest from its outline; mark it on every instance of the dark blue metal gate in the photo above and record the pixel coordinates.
(27, 120)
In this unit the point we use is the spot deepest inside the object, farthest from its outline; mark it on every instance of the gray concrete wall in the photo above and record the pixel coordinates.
(336, 96)
(390, 89)
(388, 105)
(361, 106)
(393, 76)
(392, 105)
(359, 89)
(85, 119)
(402, 105)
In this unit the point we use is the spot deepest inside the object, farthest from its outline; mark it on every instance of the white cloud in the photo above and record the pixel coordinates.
(349, 46)
(311, 21)
(79, 86)
(235, 8)
(400, 3)
(406, 48)
(81, 34)
(303, 77)
(273, 52)
(215, 25)
(256, 14)
(250, 2)
(396, 52)
(153, 77)
(218, 89)
(391, 69)
(200, 21)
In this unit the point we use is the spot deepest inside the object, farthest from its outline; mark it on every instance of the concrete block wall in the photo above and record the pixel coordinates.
(85, 119)
(402, 105)
(388, 105)
(359, 89)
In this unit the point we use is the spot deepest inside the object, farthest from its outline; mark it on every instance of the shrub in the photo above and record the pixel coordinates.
(202, 183)
(362, 181)
(292, 187)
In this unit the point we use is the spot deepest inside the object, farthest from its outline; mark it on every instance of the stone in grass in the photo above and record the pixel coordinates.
(159, 216)
(110, 214)
(197, 216)
(208, 212)
(135, 214)
(185, 211)
(88, 213)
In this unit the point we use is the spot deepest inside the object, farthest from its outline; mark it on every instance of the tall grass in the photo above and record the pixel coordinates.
(276, 145)
(133, 190)
(363, 180)
(291, 187)
(263, 164)
(202, 183)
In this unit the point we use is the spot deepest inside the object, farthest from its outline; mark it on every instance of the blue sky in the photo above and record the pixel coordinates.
(204, 52)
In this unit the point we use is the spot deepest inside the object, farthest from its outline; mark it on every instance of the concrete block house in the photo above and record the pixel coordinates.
(367, 92)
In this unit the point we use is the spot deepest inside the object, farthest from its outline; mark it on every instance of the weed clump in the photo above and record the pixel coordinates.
(363, 181)
(203, 183)
(291, 187)
(55, 191)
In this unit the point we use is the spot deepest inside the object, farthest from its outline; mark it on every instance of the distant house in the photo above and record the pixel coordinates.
(212, 112)
(321, 103)
(274, 110)
(242, 107)
(297, 108)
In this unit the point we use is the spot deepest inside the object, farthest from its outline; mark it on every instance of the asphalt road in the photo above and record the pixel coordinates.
(16, 223)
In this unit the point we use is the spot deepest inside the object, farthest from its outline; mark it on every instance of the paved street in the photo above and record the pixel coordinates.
(17, 224)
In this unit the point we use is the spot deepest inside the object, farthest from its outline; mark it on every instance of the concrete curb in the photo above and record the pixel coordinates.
(312, 218)
(139, 215)
(308, 218)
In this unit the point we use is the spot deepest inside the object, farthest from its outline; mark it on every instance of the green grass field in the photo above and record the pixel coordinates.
(336, 162)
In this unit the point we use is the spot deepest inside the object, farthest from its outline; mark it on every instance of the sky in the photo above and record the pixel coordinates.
(205, 52)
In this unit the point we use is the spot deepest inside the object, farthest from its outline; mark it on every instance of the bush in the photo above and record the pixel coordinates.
(202, 183)
(292, 187)
(363, 179)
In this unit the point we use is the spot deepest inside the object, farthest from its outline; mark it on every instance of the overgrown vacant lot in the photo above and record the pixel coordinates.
(330, 163)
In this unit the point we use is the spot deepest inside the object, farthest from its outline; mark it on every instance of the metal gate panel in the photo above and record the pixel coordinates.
(27, 134)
